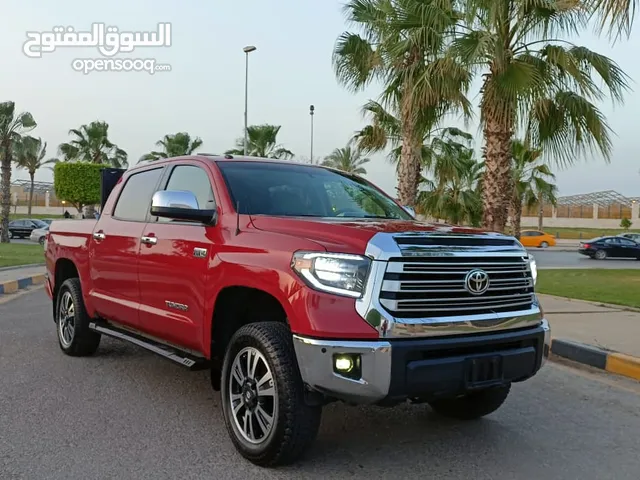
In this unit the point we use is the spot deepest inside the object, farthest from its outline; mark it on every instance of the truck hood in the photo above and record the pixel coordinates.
(349, 235)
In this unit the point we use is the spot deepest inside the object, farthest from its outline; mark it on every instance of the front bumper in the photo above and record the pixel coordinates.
(394, 370)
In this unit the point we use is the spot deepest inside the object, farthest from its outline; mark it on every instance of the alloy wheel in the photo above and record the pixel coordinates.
(252, 396)
(66, 319)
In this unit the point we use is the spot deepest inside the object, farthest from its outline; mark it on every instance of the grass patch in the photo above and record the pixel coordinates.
(14, 254)
(16, 216)
(585, 233)
(620, 287)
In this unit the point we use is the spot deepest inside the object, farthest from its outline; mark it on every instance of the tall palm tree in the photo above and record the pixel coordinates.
(401, 46)
(174, 145)
(262, 142)
(29, 153)
(92, 144)
(12, 127)
(535, 80)
(347, 159)
(533, 183)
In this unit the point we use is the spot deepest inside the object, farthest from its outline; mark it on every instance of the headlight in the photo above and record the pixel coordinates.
(534, 268)
(339, 273)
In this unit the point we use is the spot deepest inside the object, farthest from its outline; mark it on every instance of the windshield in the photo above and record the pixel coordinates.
(297, 190)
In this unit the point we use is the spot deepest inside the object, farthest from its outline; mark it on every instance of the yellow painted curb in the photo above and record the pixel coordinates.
(38, 279)
(10, 287)
(623, 365)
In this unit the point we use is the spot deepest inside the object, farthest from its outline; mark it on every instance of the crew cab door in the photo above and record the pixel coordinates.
(114, 247)
(173, 263)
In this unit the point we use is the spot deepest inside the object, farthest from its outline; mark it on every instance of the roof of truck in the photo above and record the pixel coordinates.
(229, 158)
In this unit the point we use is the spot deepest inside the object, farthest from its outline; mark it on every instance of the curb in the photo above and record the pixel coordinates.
(608, 360)
(18, 267)
(12, 286)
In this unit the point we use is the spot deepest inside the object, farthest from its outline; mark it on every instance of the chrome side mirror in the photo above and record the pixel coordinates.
(410, 210)
(180, 205)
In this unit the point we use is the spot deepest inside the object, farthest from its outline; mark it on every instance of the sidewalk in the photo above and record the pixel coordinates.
(14, 279)
(601, 336)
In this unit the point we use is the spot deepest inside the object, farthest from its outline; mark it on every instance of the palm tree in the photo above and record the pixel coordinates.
(384, 131)
(262, 142)
(92, 144)
(453, 185)
(347, 159)
(533, 183)
(536, 80)
(401, 46)
(174, 145)
(29, 153)
(12, 126)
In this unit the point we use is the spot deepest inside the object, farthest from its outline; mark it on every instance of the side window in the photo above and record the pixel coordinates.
(135, 198)
(195, 180)
(627, 243)
(526, 234)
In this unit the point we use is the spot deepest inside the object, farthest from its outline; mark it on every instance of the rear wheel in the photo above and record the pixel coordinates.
(263, 398)
(10, 235)
(600, 255)
(72, 321)
(41, 241)
(473, 405)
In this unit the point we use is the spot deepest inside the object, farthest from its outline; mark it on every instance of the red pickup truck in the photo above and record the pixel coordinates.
(296, 285)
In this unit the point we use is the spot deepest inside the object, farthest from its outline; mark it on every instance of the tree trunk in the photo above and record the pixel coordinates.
(540, 212)
(498, 184)
(410, 161)
(5, 186)
(31, 175)
(516, 216)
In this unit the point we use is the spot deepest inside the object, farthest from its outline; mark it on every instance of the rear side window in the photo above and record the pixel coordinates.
(135, 199)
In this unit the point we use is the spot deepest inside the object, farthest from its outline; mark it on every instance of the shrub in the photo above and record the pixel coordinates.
(77, 183)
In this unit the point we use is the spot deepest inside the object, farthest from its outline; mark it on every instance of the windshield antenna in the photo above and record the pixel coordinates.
(237, 218)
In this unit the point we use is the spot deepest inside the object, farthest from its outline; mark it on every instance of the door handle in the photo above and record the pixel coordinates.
(99, 236)
(149, 240)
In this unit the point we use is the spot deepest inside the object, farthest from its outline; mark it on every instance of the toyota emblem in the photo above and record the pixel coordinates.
(477, 282)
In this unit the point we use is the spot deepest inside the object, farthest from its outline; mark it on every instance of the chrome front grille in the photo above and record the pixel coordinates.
(435, 286)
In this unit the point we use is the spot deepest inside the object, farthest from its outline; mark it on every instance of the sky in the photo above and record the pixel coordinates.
(203, 94)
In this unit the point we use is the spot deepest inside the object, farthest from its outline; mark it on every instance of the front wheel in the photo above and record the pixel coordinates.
(263, 398)
(473, 405)
(544, 245)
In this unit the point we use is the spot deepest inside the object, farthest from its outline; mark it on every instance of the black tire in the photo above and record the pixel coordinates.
(544, 245)
(600, 254)
(295, 424)
(474, 405)
(41, 240)
(79, 341)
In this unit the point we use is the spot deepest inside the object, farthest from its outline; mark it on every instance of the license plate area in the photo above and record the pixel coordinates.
(484, 371)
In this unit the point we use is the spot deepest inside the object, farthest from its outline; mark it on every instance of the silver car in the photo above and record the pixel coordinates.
(38, 234)
(631, 236)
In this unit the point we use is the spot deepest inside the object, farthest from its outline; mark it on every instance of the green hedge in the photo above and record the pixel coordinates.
(77, 182)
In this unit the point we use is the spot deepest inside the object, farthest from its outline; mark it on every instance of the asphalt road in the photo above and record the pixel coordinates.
(128, 414)
(558, 259)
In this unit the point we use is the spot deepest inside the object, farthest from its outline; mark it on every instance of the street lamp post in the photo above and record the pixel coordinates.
(247, 50)
(311, 109)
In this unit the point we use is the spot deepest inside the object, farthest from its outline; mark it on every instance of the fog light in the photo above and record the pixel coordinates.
(343, 363)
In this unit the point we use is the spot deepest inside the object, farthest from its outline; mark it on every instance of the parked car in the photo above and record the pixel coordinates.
(296, 285)
(38, 234)
(536, 239)
(22, 228)
(610, 247)
(631, 236)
